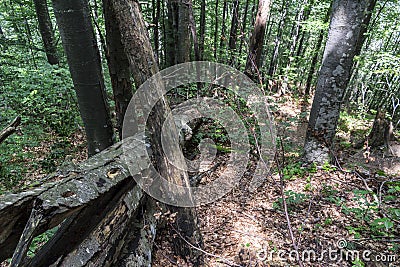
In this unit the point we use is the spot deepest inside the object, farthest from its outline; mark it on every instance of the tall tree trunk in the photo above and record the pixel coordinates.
(143, 66)
(118, 66)
(253, 63)
(28, 36)
(273, 66)
(163, 39)
(306, 15)
(234, 25)
(344, 32)
(294, 36)
(233, 32)
(216, 30)
(223, 28)
(46, 31)
(178, 33)
(202, 28)
(364, 26)
(156, 18)
(192, 25)
(243, 34)
(314, 60)
(76, 30)
(169, 39)
(182, 43)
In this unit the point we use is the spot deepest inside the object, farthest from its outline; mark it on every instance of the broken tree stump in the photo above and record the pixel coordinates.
(381, 132)
(99, 208)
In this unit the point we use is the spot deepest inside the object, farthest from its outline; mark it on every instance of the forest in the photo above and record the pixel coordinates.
(199, 133)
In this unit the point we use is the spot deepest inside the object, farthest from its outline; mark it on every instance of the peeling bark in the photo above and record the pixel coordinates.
(65, 193)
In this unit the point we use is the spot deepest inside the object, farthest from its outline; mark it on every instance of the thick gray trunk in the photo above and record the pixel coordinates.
(76, 30)
(344, 30)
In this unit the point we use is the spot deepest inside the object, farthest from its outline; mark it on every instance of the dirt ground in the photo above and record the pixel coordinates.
(246, 229)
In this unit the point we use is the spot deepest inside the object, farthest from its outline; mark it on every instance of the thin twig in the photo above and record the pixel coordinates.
(282, 186)
(225, 260)
(165, 256)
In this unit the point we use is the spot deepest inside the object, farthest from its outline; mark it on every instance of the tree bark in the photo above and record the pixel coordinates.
(192, 25)
(344, 30)
(223, 29)
(143, 66)
(88, 200)
(243, 29)
(156, 18)
(178, 33)
(118, 66)
(46, 31)
(364, 26)
(216, 30)
(234, 25)
(273, 66)
(76, 30)
(169, 48)
(253, 63)
(182, 44)
(233, 31)
(202, 28)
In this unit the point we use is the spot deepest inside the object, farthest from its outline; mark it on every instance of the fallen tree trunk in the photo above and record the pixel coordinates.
(97, 205)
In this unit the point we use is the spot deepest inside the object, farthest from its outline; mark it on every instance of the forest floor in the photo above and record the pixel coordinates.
(339, 216)
(348, 209)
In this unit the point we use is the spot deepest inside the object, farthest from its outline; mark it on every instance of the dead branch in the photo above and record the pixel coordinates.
(282, 189)
(10, 129)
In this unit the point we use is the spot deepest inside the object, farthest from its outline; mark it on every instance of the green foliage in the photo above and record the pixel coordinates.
(293, 171)
(328, 167)
(358, 263)
(293, 199)
(308, 186)
(366, 213)
(58, 152)
(45, 100)
(40, 240)
(296, 170)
